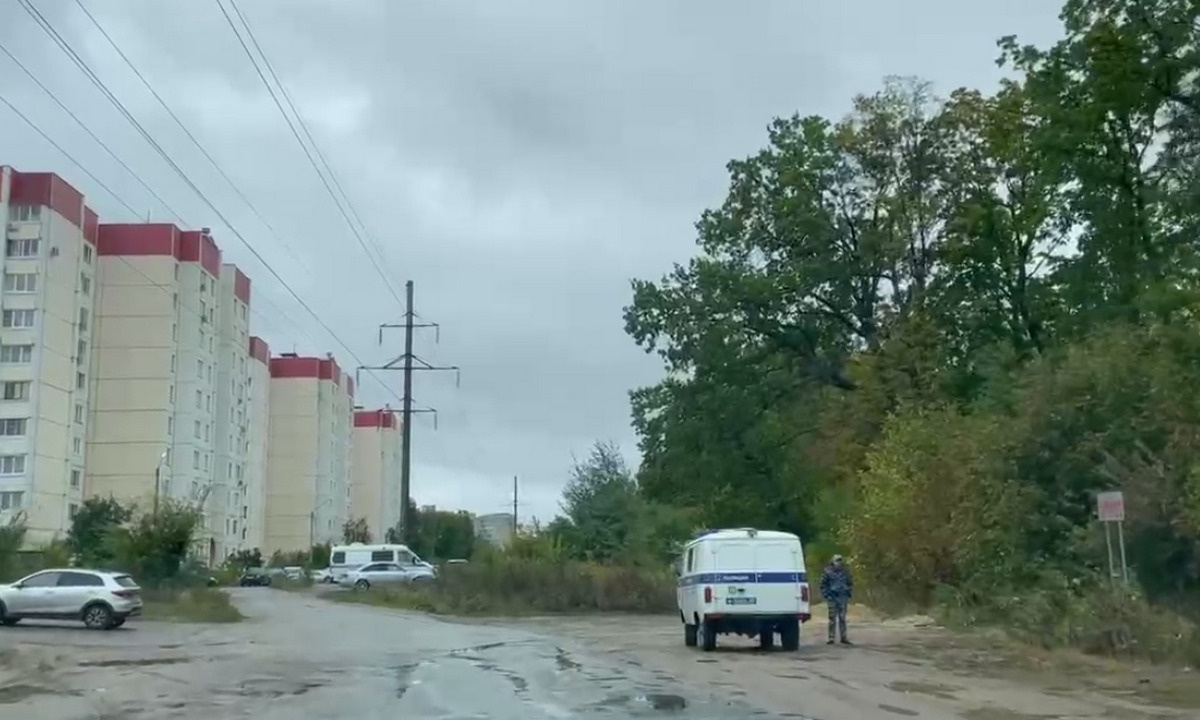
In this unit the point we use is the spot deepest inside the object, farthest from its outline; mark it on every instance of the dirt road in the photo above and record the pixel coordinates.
(301, 657)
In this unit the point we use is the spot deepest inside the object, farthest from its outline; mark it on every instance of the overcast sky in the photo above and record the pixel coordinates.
(519, 160)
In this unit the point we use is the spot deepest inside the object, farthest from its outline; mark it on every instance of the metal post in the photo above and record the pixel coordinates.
(1112, 570)
(514, 528)
(406, 410)
(1121, 543)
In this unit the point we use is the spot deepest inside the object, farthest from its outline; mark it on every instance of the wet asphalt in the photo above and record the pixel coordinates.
(298, 656)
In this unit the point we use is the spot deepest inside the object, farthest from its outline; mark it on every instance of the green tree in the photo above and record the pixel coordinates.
(92, 528)
(153, 546)
(356, 530)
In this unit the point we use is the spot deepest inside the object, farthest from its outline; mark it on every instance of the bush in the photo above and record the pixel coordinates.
(499, 584)
(1089, 615)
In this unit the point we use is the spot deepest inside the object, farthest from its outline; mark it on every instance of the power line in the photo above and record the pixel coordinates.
(65, 46)
(296, 133)
(199, 146)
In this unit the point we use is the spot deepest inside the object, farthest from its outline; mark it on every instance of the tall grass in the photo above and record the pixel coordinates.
(500, 584)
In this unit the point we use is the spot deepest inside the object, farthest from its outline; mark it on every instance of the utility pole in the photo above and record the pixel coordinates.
(409, 362)
(514, 505)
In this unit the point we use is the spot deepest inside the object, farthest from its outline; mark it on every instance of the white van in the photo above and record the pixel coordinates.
(746, 582)
(344, 558)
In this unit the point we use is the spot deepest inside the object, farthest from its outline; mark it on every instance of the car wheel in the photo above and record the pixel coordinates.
(9, 621)
(362, 586)
(707, 635)
(117, 622)
(97, 617)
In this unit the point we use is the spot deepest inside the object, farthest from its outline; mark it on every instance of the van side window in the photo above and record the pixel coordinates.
(383, 556)
(404, 558)
(691, 559)
(338, 558)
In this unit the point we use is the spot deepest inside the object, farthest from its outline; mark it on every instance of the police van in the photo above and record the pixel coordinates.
(746, 582)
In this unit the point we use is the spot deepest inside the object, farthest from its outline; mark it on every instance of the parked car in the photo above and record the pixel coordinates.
(102, 600)
(324, 575)
(255, 577)
(293, 572)
(372, 574)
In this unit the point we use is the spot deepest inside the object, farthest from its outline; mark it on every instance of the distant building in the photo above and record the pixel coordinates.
(375, 470)
(494, 528)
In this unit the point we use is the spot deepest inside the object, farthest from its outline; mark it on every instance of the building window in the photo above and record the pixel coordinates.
(15, 390)
(171, 394)
(207, 431)
(76, 476)
(170, 425)
(208, 402)
(72, 510)
(199, 399)
(20, 282)
(13, 427)
(87, 253)
(176, 271)
(197, 433)
(83, 319)
(80, 352)
(85, 284)
(77, 446)
(19, 318)
(172, 364)
(199, 369)
(12, 500)
(79, 413)
(16, 353)
(195, 459)
(12, 464)
(26, 213)
(22, 248)
(80, 381)
(210, 367)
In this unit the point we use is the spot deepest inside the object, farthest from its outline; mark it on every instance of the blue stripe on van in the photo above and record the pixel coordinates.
(790, 578)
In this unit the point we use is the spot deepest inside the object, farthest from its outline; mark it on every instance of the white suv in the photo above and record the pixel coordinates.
(102, 600)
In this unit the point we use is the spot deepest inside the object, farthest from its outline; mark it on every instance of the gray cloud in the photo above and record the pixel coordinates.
(519, 160)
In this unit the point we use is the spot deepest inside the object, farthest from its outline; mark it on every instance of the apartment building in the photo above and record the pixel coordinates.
(154, 364)
(375, 459)
(45, 340)
(227, 509)
(308, 452)
(254, 477)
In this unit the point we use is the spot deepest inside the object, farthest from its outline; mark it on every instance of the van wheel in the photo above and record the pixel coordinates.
(706, 635)
(789, 635)
(689, 635)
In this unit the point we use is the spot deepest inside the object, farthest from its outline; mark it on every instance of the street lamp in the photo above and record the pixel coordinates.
(312, 523)
(158, 477)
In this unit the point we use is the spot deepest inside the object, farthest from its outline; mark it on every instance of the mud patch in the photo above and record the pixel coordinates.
(274, 687)
(564, 661)
(937, 690)
(898, 710)
(997, 713)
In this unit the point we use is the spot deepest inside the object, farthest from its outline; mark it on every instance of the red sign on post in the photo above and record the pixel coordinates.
(1110, 506)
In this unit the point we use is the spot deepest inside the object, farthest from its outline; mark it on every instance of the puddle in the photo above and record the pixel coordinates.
(898, 710)
(274, 687)
(13, 694)
(132, 662)
(669, 703)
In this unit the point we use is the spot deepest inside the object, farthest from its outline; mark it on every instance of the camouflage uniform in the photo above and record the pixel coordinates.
(837, 587)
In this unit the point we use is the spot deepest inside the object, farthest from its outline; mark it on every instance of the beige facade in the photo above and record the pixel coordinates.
(308, 453)
(375, 470)
(45, 342)
(254, 508)
(154, 361)
(227, 508)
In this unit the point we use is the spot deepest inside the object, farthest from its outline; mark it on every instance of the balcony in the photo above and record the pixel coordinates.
(24, 231)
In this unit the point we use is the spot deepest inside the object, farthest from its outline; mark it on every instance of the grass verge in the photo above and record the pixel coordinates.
(516, 586)
(200, 605)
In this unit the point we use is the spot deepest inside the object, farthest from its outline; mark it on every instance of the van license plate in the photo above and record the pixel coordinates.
(741, 601)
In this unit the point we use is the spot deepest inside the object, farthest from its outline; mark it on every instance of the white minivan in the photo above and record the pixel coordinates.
(746, 582)
(344, 558)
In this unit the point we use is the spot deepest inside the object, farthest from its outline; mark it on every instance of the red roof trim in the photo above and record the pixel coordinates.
(385, 418)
